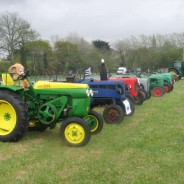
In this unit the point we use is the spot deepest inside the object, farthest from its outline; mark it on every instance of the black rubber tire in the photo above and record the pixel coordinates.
(139, 99)
(130, 97)
(144, 93)
(149, 94)
(94, 116)
(113, 114)
(82, 124)
(168, 87)
(172, 87)
(22, 117)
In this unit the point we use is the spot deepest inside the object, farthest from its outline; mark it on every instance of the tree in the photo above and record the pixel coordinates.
(102, 45)
(14, 34)
(39, 51)
(68, 57)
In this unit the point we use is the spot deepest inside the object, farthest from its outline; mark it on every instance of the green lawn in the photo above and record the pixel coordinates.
(145, 148)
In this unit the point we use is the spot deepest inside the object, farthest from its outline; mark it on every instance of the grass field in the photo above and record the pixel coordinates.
(145, 148)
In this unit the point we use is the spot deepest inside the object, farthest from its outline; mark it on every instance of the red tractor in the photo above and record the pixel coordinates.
(133, 93)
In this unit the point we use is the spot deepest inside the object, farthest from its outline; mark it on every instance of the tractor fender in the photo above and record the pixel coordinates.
(173, 69)
(12, 88)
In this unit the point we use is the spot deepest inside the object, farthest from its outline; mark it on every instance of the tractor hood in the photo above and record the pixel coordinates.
(58, 85)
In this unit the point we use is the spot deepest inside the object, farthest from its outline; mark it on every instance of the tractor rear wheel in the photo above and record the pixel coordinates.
(75, 132)
(113, 114)
(157, 91)
(13, 116)
(167, 88)
(95, 121)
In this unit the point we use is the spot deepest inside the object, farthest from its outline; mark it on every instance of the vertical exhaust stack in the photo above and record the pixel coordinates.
(103, 70)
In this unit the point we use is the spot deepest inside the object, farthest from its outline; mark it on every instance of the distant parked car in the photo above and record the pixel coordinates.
(121, 70)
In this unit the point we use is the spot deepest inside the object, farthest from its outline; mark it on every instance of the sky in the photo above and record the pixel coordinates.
(108, 20)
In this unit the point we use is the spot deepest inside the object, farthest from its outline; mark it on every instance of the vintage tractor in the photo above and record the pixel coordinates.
(45, 104)
(177, 69)
(112, 95)
(133, 93)
(168, 82)
(144, 86)
(156, 85)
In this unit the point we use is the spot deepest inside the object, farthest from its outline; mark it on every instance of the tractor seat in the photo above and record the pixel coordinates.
(7, 79)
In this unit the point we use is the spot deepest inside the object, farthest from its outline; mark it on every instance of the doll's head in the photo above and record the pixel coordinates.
(17, 69)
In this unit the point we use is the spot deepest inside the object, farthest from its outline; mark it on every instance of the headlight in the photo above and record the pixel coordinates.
(88, 92)
(91, 92)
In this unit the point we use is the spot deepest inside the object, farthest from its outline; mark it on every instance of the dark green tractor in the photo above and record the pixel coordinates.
(44, 105)
(177, 69)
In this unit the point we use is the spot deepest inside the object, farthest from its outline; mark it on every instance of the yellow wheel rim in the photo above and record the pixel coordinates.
(74, 133)
(92, 121)
(8, 117)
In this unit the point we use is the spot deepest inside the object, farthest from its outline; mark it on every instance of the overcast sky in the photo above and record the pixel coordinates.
(108, 20)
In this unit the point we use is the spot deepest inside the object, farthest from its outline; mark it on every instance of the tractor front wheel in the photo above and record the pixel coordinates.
(75, 132)
(157, 91)
(13, 116)
(113, 114)
(132, 107)
(95, 121)
(139, 99)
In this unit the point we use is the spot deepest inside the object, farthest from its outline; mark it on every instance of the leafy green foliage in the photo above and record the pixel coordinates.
(39, 53)
(4, 65)
(102, 45)
(76, 54)
(15, 32)
(67, 56)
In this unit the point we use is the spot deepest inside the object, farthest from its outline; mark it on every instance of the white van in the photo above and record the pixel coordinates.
(121, 70)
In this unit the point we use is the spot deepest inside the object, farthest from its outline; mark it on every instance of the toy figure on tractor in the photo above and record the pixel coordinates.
(45, 104)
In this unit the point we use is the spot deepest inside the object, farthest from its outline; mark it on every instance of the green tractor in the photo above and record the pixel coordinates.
(177, 69)
(45, 104)
(168, 81)
(156, 85)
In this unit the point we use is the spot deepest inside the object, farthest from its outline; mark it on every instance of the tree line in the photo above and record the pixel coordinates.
(22, 44)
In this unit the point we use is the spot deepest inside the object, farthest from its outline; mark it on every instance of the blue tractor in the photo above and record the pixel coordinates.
(112, 95)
